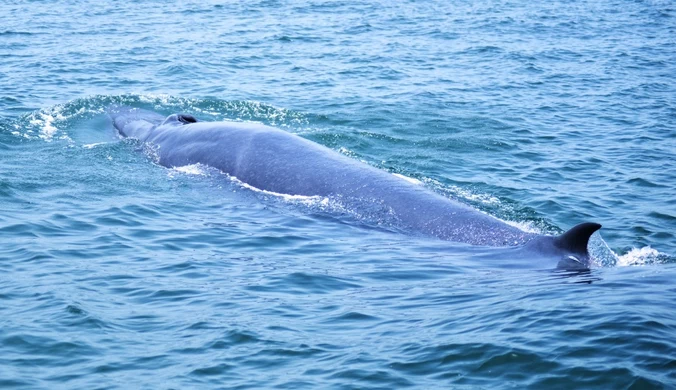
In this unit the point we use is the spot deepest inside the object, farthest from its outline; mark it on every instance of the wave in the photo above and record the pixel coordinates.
(604, 256)
(52, 123)
(16, 33)
(643, 256)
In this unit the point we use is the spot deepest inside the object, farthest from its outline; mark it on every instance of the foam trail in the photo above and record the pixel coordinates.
(95, 144)
(305, 199)
(192, 169)
(641, 256)
(526, 226)
(408, 179)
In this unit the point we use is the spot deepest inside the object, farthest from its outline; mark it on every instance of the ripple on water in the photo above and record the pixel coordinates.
(305, 283)
(117, 271)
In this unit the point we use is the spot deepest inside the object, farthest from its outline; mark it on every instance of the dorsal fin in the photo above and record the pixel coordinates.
(576, 239)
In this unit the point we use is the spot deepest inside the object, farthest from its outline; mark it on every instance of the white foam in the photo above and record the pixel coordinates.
(526, 226)
(639, 256)
(463, 193)
(305, 199)
(46, 124)
(95, 144)
(409, 179)
(162, 99)
(481, 198)
(192, 169)
(206, 111)
(345, 151)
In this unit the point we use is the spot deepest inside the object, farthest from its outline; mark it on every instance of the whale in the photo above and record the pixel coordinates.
(272, 159)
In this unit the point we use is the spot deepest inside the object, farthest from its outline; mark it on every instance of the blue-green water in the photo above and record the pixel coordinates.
(116, 272)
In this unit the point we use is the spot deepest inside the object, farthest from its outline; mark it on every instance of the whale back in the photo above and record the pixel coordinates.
(271, 159)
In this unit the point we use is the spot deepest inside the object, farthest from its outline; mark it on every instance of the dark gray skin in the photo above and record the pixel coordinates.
(274, 160)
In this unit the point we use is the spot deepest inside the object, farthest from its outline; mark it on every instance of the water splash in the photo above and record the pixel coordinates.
(298, 199)
(192, 169)
(526, 226)
(409, 179)
(94, 145)
(46, 124)
(642, 256)
(462, 193)
(600, 252)
(53, 123)
(604, 256)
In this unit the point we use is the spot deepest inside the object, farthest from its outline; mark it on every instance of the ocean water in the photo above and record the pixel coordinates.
(116, 272)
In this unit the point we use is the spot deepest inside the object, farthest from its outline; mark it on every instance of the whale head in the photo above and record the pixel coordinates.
(133, 122)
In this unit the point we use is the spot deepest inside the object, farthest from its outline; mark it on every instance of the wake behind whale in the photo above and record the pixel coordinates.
(274, 160)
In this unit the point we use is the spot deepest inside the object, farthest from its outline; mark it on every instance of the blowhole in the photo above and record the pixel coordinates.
(185, 118)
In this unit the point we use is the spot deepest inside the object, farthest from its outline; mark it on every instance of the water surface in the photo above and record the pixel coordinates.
(118, 272)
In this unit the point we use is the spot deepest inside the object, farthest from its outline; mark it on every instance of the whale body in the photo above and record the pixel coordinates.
(274, 160)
